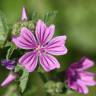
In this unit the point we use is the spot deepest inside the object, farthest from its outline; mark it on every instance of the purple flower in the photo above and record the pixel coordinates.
(11, 77)
(41, 46)
(24, 15)
(9, 64)
(78, 78)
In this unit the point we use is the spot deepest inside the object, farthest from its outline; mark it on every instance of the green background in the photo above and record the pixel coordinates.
(75, 18)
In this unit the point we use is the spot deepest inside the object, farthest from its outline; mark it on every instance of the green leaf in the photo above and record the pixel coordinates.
(3, 29)
(23, 80)
(50, 16)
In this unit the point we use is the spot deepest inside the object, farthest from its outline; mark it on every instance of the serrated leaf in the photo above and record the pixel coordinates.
(3, 29)
(23, 80)
(3, 22)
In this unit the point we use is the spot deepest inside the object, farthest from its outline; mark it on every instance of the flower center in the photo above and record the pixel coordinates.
(40, 48)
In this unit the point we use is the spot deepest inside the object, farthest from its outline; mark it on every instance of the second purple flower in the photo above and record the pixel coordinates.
(42, 45)
(78, 78)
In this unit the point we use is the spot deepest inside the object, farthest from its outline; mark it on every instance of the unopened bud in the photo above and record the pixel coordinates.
(11, 77)
(24, 15)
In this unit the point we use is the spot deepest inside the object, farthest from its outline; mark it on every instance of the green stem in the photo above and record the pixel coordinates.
(10, 51)
(19, 90)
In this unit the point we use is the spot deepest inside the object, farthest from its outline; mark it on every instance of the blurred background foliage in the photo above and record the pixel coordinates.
(75, 18)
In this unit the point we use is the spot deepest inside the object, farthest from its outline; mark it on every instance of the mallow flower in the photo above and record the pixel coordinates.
(78, 78)
(40, 46)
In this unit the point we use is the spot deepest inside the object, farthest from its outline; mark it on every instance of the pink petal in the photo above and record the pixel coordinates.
(11, 77)
(82, 87)
(87, 78)
(40, 30)
(57, 46)
(78, 86)
(48, 34)
(29, 61)
(26, 40)
(48, 62)
(73, 85)
(24, 15)
(87, 63)
(43, 33)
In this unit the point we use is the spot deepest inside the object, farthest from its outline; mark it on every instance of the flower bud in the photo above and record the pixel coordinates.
(24, 15)
(11, 77)
(9, 64)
